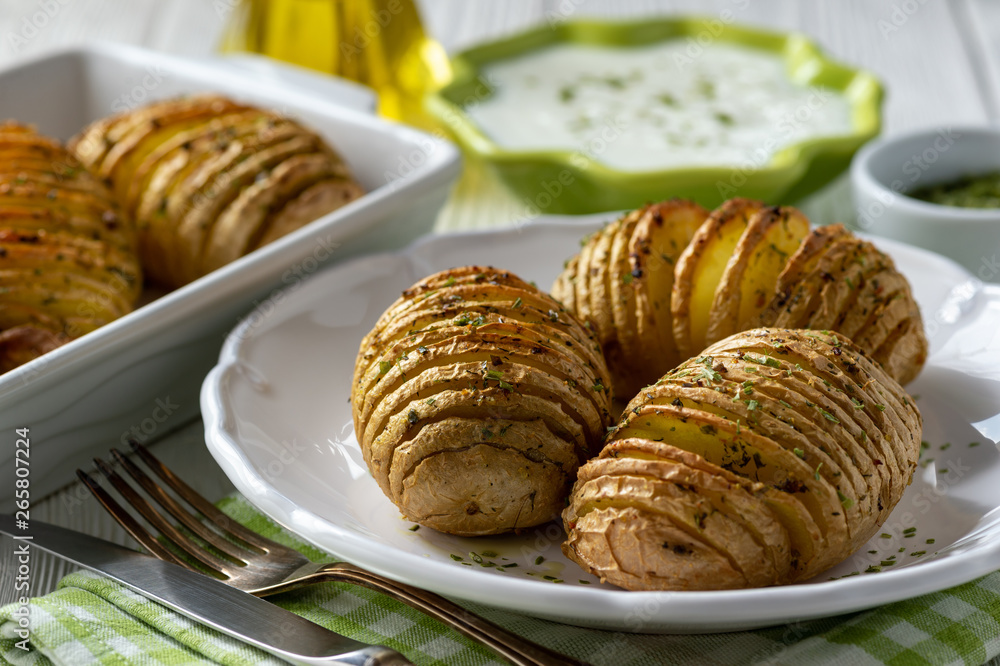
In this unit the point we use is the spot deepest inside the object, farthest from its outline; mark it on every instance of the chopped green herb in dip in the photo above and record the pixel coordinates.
(655, 106)
(968, 192)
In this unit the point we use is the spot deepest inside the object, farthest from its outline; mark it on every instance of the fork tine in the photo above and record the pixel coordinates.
(174, 535)
(125, 519)
(206, 508)
(177, 511)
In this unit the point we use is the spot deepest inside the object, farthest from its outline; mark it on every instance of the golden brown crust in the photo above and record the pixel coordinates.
(782, 432)
(68, 261)
(620, 283)
(180, 165)
(313, 203)
(667, 279)
(22, 344)
(475, 399)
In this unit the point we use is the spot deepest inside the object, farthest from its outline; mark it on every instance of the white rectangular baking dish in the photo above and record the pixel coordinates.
(141, 375)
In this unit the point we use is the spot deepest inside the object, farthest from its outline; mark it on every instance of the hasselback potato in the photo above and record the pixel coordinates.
(475, 399)
(667, 280)
(67, 255)
(208, 179)
(768, 458)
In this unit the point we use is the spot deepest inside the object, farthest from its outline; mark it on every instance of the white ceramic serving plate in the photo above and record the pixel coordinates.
(141, 374)
(278, 421)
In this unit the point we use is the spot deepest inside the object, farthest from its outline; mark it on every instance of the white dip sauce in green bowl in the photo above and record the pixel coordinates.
(589, 116)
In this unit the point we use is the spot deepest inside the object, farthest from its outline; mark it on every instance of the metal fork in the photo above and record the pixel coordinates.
(255, 564)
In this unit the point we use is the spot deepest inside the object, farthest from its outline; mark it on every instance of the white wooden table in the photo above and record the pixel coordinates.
(939, 60)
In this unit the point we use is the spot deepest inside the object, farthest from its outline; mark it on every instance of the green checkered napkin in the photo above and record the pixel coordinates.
(90, 620)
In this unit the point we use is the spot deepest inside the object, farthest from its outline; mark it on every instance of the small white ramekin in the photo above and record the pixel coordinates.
(885, 169)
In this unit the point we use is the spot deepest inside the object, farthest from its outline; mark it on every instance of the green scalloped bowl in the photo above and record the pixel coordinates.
(555, 182)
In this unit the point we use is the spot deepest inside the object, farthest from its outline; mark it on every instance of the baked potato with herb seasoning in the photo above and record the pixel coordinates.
(67, 256)
(208, 179)
(475, 399)
(767, 459)
(655, 293)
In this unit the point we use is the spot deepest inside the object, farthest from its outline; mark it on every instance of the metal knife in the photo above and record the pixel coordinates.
(206, 600)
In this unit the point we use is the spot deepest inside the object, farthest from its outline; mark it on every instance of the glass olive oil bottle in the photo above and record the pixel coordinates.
(380, 43)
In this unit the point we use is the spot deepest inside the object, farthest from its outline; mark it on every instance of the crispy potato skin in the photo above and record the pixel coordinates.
(765, 460)
(620, 285)
(744, 265)
(68, 258)
(209, 179)
(475, 399)
(839, 282)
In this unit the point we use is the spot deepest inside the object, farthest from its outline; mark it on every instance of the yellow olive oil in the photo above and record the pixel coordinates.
(380, 43)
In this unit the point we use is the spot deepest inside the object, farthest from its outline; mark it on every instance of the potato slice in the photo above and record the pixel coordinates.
(176, 179)
(442, 392)
(29, 219)
(626, 355)
(660, 236)
(122, 138)
(677, 505)
(14, 315)
(219, 189)
(801, 263)
(752, 456)
(14, 127)
(31, 193)
(45, 160)
(581, 286)
(700, 269)
(904, 352)
(399, 453)
(852, 287)
(734, 497)
(825, 295)
(510, 491)
(22, 344)
(199, 132)
(497, 356)
(626, 547)
(32, 142)
(73, 298)
(316, 201)
(599, 277)
(60, 253)
(239, 225)
(828, 461)
(564, 288)
(772, 235)
(778, 519)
